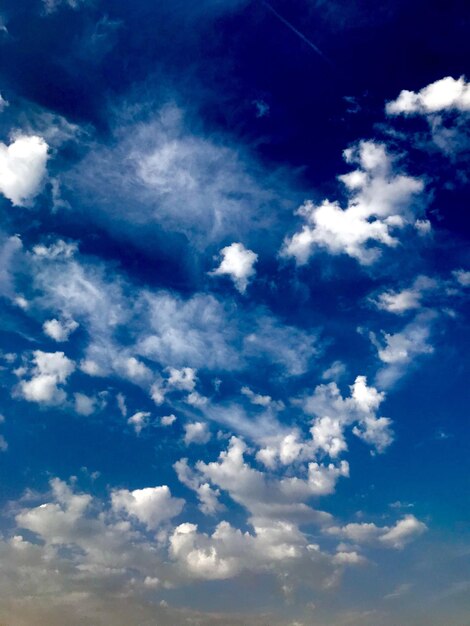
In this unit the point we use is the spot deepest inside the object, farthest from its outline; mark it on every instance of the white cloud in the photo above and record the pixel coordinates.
(139, 421)
(280, 344)
(399, 350)
(152, 506)
(168, 420)
(3, 444)
(165, 172)
(183, 379)
(335, 413)
(400, 302)
(196, 432)
(23, 168)
(379, 204)
(260, 400)
(228, 551)
(405, 530)
(50, 370)
(335, 371)
(58, 249)
(84, 405)
(443, 95)
(196, 399)
(266, 496)
(59, 330)
(237, 263)
(208, 496)
(462, 277)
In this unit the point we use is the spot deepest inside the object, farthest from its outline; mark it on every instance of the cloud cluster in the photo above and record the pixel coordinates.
(23, 168)
(237, 262)
(49, 372)
(380, 203)
(446, 94)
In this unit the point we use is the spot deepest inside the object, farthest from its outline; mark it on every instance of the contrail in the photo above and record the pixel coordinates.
(297, 32)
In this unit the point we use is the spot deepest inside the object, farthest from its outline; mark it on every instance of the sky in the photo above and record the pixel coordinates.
(234, 293)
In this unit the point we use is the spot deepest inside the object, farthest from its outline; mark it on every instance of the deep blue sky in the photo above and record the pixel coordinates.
(234, 278)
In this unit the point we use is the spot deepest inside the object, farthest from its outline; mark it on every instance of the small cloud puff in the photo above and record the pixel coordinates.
(51, 369)
(443, 95)
(378, 205)
(237, 263)
(59, 330)
(139, 421)
(23, 168)
(196, 432)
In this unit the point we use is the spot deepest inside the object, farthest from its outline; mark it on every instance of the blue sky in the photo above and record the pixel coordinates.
(234, 289)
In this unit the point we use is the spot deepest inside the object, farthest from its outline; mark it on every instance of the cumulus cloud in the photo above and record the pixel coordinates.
(23, 168)
(379, 205)
(445, 94)
(404, 531)
(49, 372)
(229, 551)
(238, 263)
(208, 497)
(168, 420)
(139, 421)
(333, 414)
(183, 379)
(152, 506)
(59, 330)
(84, 405)
(196, 432)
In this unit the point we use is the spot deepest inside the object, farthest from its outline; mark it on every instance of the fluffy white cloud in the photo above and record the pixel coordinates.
(168, 420)
(400, 302)
(379, 204)
(335, 413)
(405, 530)
(152, 506)
(59, 330)
(266, 496)
(84, 405)
(442, 95)
(238, 263)
(196, 432)
(50, 370)
(208, 496)
(23, 168)
(139, 421)
(183, 379)
(58, 249)
(228, 551)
